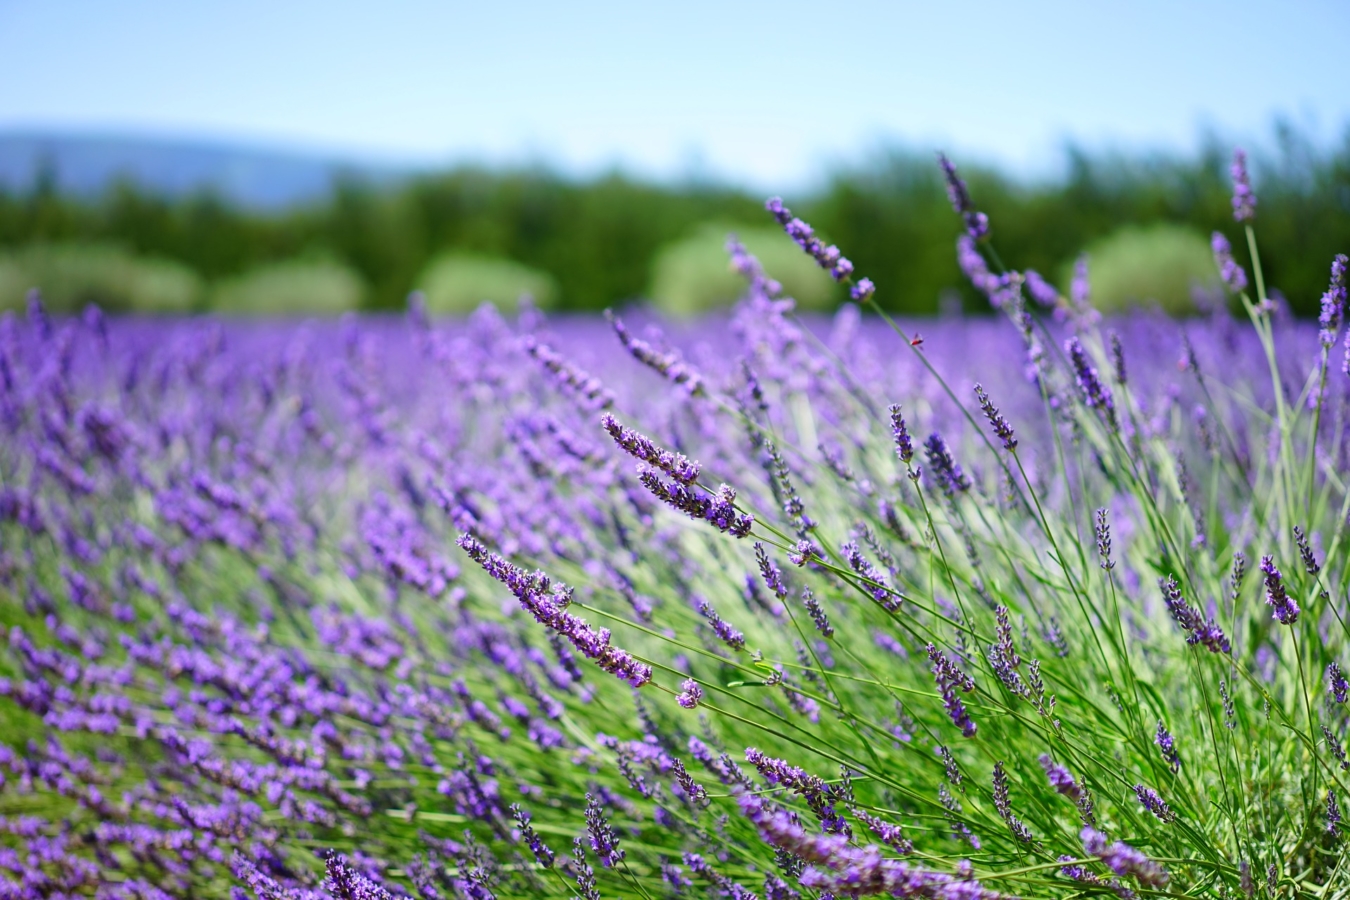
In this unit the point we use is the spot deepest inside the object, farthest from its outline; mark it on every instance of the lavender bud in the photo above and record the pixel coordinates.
(1004, 805)
(773, 576)
(1154, 803)
(1095, 394)
(1000, 425)
(817, 613)
(1337, 686)
(862, 291)
(639, 446)
(949, 680)
(977, 223)
(1198, 629)
(1286, 610)
(690, 694)
(1061, 779)
(1232, 274)
(1244, 201)
(541, 851)
(948, 472)
(604, 841)
(1117, 359)
(1333, 812)
(1167, 747)
(904, 447)
(1104, 541)
(1123, 859)
(1333, 302)
(1310, 564)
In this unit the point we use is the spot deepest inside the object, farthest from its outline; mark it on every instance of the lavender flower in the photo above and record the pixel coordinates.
(904, 447)
(1004, 806)
(862, 291)
(718, 510)
(947, 471)
(1000, 425)
(1117, 359)
(1061, 779)
(690, 694)
(345, 883)
(1244, 201)
(582, 871)
(1041, 290)
(1123, 859)
(571, 379)
(805, 552)
(1310, 564)
(547, 604)
(669, 365)
(1333, 302)
(1333, 812)
(1167, 746)
(604, 841)
(773, 576)
(817, 613)
(541, 851)
(1198, 629)
(828, 258)
(1151, 801)
(837, 866)
(818, 795)
(949, 679)
(1232, 275)
(876, 583)
(977, 223)
(1103, 529)
(1095, 394)
(1337, 685)
(1286, 609)
(639, 446)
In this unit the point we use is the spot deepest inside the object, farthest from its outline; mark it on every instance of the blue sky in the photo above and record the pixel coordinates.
(767, 94)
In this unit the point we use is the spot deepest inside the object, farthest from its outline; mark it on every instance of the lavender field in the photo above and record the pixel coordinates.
(1042, 604)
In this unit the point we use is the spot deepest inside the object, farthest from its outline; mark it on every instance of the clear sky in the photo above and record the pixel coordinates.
(762, 93)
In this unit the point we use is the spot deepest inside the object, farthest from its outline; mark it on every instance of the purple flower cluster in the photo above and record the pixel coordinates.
(949, 680)
(1285, 607)
(1123, 859)
(828, 258)
(1002, 430)
(1151, 801)
(977, 223)
(1199, 630)
(1232, 274)
(1333, 302)
(1244, 200)
(641, 447)
(548, 604)
(839, 867)
(1096, 395)
(950, 478)
(819, 796)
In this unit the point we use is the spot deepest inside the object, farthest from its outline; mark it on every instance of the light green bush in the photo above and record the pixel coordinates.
(457, 284)
(309, 287)
(1140, 266)
(693, 275)
(71, 276)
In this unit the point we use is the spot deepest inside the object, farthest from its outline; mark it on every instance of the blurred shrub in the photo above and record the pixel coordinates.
(694, 275)
(457, 284)
(308, 287)
(1140, 266)
(73, 275)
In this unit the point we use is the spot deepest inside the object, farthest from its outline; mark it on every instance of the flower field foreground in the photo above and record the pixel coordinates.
(1033, 606)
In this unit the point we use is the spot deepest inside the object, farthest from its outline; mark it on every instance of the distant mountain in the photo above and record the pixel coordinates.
(250, 176)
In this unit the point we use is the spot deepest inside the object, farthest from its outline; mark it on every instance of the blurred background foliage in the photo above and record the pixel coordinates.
(470, 234)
